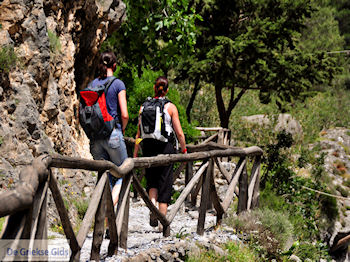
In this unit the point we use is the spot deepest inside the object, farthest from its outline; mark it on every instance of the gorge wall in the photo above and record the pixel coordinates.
(56, 43)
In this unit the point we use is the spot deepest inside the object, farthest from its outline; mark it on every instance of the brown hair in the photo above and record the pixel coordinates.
(161, 86)
(107, 60)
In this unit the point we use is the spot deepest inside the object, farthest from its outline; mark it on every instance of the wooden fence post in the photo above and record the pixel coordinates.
(123, 211)
(110, 214)
(204, 198)
(256, 189)
(99, 227)
(243, 190)
(188, 176)
(67, 227)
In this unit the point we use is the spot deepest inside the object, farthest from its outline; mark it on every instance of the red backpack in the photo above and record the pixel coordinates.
(93, 114)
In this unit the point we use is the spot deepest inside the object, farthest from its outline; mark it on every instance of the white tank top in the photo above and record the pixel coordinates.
(167, 120)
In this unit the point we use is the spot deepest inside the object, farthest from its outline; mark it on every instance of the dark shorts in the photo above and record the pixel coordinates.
(161, 177)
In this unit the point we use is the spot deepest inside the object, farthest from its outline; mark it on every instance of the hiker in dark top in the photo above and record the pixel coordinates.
(160, 179)
(112, 148)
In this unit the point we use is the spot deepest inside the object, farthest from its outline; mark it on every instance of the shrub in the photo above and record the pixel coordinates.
(269, 230)
(235, 253)
(307, 251)
(82, 206)
(55, 44)
(8, 59)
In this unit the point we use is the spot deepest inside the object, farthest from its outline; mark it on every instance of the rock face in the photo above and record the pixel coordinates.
(282, 122)
(56, 45)
(335, 144)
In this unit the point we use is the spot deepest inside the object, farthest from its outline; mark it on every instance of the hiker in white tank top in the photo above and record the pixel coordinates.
(160, 190)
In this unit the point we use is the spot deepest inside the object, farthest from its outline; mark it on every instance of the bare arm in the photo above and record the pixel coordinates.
(177, 126)
(123, 109)
(136, 147)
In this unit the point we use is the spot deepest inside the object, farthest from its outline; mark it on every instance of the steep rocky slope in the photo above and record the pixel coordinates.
(56, 43)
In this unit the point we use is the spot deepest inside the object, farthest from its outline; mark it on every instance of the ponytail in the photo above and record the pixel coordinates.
(161, 86)
(107, 60)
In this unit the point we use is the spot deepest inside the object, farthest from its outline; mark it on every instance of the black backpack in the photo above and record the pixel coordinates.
(93, 114)
(152, 120)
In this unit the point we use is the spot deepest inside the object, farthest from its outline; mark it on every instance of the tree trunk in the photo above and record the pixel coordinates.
(193, 97)
(224, 113)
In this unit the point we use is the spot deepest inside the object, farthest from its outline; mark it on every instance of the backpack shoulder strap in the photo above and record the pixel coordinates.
(163, 103)
(109, 83)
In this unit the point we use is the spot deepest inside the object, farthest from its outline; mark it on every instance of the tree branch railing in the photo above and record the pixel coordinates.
(25, 206)
(221, 135)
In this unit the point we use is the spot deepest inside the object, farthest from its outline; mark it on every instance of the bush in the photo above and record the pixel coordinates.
(55, 44)
(269, 230)
(235, 253)
(82, 206)
(8, 59)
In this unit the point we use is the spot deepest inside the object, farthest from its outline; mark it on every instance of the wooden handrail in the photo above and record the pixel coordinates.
(32, 190)
(93, 165)
(212, 129)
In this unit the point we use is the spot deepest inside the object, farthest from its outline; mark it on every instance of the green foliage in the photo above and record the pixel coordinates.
(312, 251)
(321, 112)
(82, 206)
(175, 196)
(204, 110)
(55, 44)
(316, 113)
(8, 59)
(235, 253)
(156, 33)
(2, 221)
(269, 230)
(322, 31)
(182, 233)
(277, 167)
(253, 45)
(342, 15)
(141, 88)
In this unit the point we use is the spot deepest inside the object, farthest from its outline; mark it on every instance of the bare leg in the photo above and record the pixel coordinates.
(163, 208)
(153, 195)
(115, 193)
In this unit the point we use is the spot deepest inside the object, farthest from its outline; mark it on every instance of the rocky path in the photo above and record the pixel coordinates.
(143, 238)
(146, 242)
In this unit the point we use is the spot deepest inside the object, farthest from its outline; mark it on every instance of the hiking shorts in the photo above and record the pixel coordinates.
(111, 149)
(160, 177)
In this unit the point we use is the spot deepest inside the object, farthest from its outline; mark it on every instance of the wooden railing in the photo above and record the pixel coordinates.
(26, 205)
(219, 135)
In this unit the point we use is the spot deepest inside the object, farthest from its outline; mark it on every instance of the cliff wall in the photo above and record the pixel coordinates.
(56, 44)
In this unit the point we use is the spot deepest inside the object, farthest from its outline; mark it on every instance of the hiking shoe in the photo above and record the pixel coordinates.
(153, 221)
(107, 236)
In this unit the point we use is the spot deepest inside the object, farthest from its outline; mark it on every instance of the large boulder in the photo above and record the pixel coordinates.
(280, 122)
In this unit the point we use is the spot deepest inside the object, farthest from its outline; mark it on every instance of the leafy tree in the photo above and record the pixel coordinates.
(343, 14)
(155, 34)
(252, 45)
(322, 30)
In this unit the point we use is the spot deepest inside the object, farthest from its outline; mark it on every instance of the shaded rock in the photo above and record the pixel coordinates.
(261, 120)
(283, 122)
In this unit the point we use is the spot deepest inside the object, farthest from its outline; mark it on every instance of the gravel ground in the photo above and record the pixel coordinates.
(142, 236)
